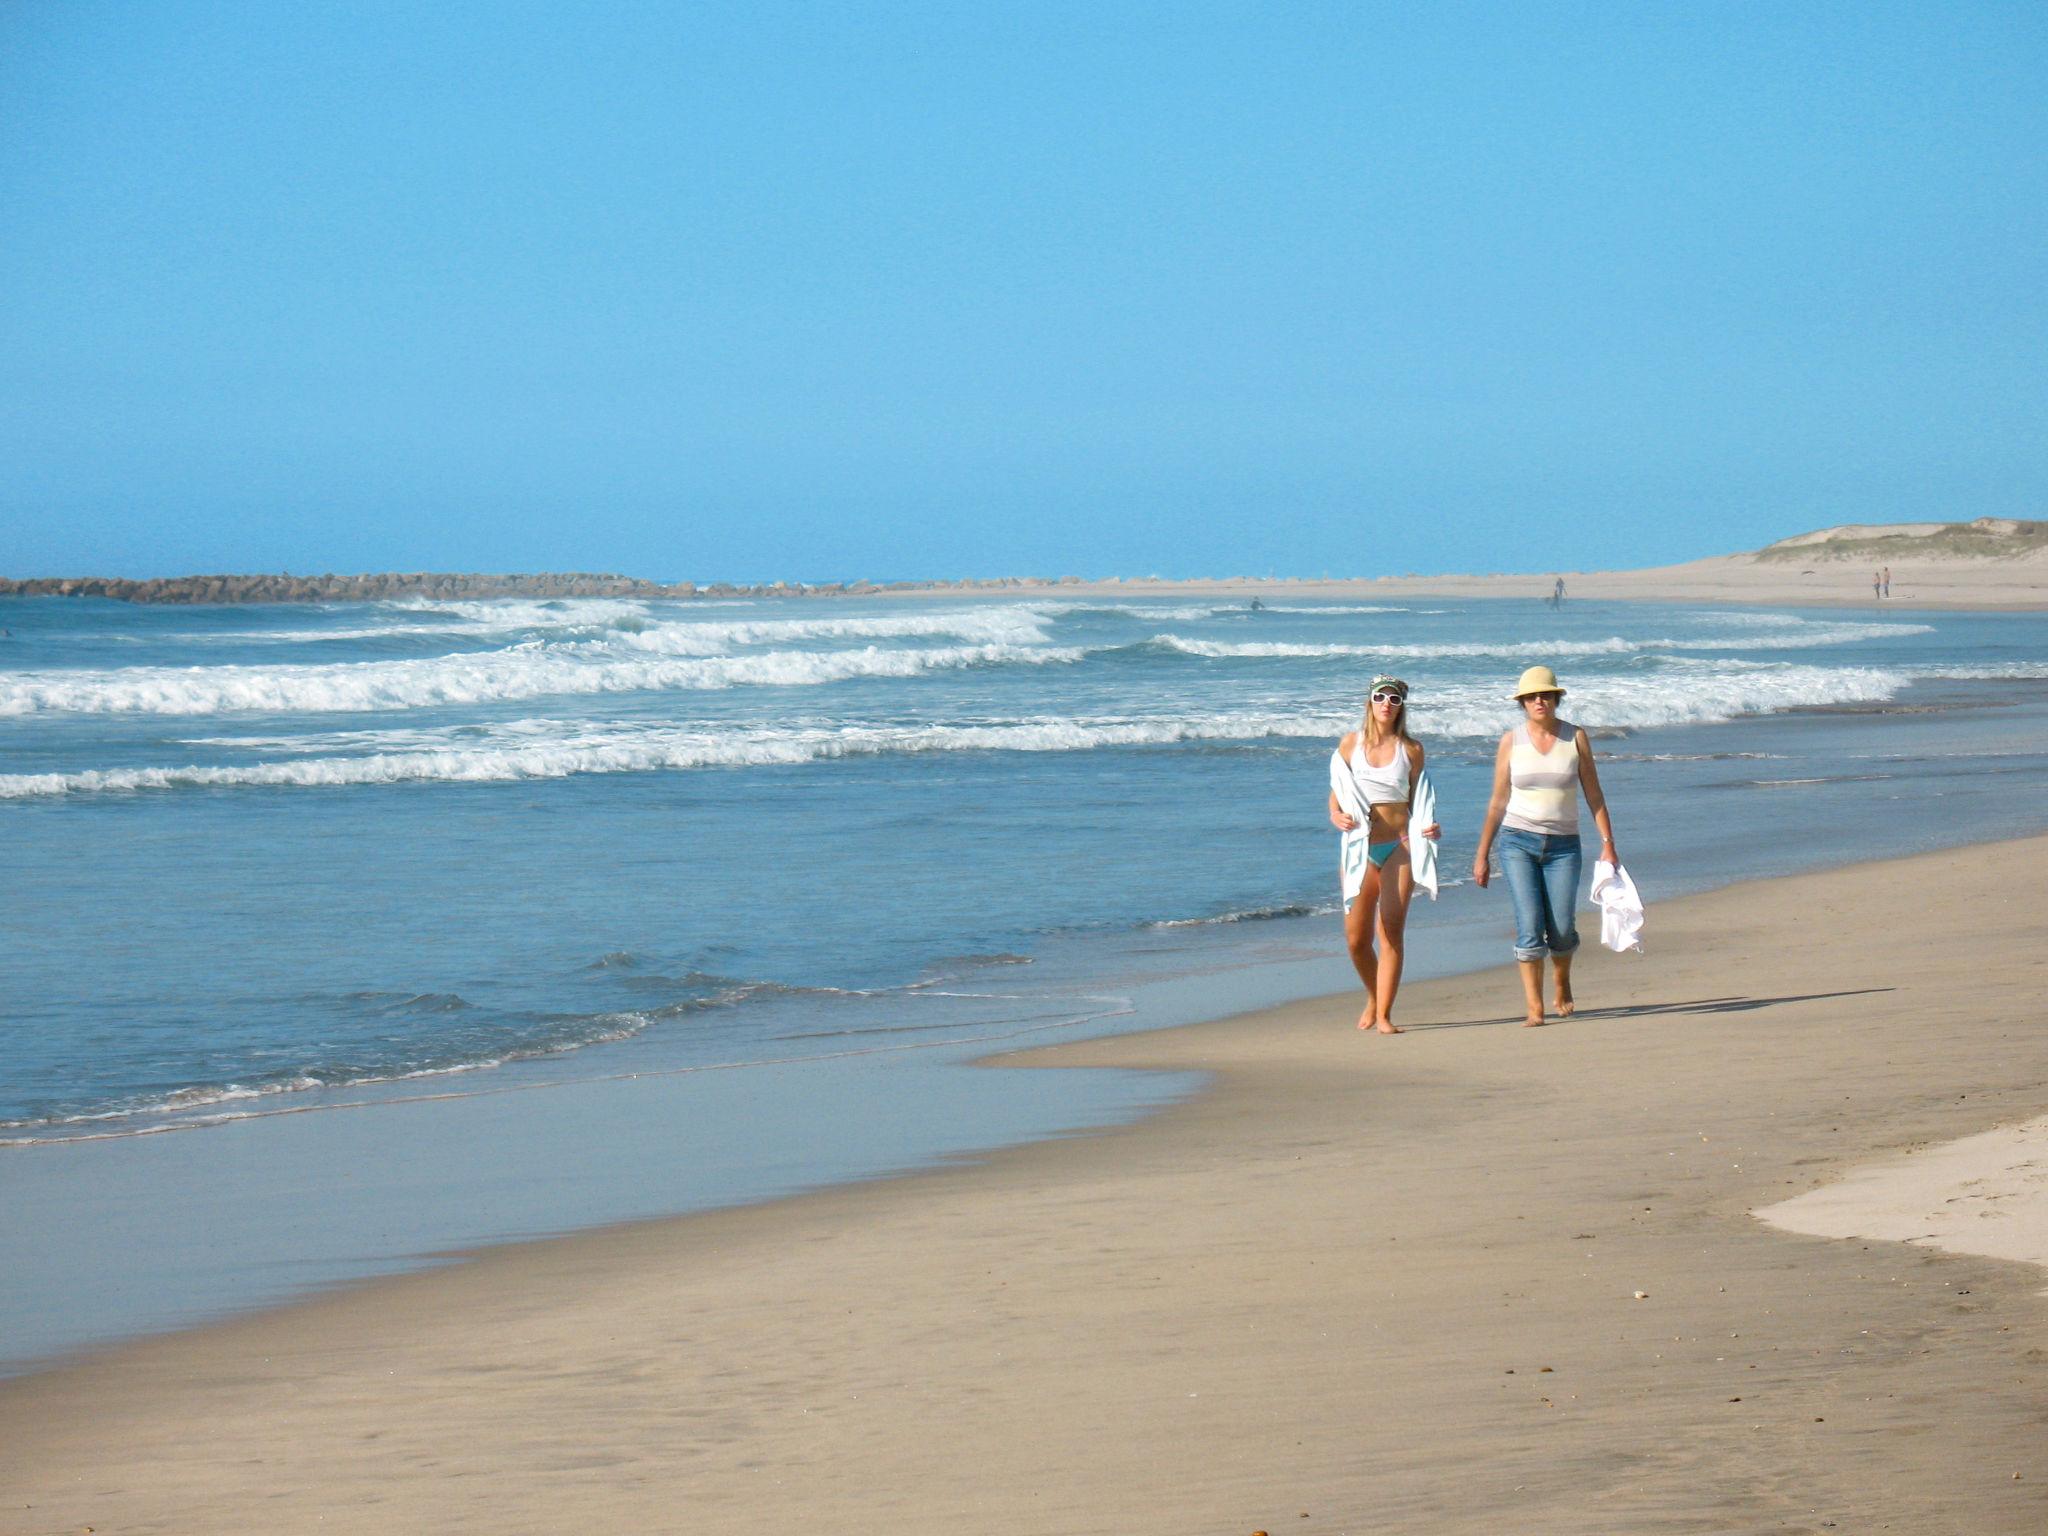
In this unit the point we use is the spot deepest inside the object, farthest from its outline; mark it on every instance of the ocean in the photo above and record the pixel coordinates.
(339, 937)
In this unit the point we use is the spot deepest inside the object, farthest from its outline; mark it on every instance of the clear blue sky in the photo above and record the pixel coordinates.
(842, 290)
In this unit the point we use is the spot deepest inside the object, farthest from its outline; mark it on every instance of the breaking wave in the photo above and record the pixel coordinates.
(1987, 672)
(628, 748)
(1682, 692)
(1806, 637)
(527, 671)
(671, 628)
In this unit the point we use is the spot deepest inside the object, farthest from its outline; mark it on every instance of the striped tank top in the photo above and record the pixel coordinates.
(1545, 797)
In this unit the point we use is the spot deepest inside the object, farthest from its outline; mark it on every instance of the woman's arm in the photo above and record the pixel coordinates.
(1496, 807)
(1596, 801)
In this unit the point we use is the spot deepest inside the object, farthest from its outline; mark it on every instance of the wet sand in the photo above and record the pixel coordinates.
(1359, 1284)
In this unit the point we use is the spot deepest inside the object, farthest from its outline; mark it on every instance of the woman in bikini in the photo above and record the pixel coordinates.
(1385, 762)
(1539, 771)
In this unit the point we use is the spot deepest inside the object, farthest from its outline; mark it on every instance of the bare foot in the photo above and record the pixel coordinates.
(1367, 1019)
(1565, 1005)
(1387, 1027)
(1534, 1021)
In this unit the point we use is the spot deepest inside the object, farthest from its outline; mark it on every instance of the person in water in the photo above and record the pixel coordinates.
(1385, 762)
(1540, 769)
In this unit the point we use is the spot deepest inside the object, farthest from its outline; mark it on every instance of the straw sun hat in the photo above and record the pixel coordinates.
(1538, 680)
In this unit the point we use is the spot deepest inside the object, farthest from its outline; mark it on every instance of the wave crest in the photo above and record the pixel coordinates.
(1681, 693)
(527, 671)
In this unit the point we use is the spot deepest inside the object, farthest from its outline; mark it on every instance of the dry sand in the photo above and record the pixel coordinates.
(2018, 584)
(1984, 1194)
(1359, 1285)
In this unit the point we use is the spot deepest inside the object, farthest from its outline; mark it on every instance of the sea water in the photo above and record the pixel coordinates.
(335, 936)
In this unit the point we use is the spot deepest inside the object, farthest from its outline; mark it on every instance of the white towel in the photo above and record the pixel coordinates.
(1422, 850)
(1350, 845)
(1621, 909)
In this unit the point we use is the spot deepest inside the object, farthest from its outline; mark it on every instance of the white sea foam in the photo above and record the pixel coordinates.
(1693, 692)
(639, 749)
(1990, 671)
(1804, 638)
(1681, 690)
(508, 614)
(527, 671)
(668, 628)
(1343, 608)
(1291, 650)
(1154, 613)
(1184, 613)
(1684, 693)
(1005, 625)
(1807, 633)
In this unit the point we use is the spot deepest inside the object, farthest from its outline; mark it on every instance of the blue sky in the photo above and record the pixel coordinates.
(832, 291)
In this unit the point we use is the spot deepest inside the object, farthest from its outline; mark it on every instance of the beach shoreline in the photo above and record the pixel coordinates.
(1992, 584)
(1329, 1283)
(1955, 585)
(421, 1022)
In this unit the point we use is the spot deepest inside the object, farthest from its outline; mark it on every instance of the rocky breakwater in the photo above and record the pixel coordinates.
(277, 588)
(441, 586)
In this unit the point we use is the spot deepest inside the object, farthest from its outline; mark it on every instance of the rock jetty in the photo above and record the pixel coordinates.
(446, 587)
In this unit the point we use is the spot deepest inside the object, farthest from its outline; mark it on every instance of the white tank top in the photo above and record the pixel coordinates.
(1545, 798)
(1381, 786)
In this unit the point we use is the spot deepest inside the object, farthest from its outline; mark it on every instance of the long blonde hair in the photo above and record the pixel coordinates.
(1374, 736)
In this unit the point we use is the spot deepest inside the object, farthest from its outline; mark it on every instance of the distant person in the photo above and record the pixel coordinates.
(1877, 585)
(1384, 764)
(1886, 575)
(1538, 772)
(1557, 594)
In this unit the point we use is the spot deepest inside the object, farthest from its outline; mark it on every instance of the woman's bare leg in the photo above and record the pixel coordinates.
(1397, 884)
(1358, 926)
(1561, 982)
(1532, 990)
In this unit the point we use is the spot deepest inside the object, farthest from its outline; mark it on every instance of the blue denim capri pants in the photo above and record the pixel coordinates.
(1542, 872)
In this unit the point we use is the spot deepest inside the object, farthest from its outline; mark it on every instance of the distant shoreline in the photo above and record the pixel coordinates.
(2013, 585)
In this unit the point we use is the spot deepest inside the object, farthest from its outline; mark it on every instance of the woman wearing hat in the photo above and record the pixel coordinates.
(1538, 773)
(1385, 763)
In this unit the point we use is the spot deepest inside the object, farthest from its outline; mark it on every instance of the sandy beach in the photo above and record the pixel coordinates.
(1475, 1278)
(2016, 585)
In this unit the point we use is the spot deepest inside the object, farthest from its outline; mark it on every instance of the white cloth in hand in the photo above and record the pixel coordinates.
(1350, 845)
(1422, 850)
(1621, 909)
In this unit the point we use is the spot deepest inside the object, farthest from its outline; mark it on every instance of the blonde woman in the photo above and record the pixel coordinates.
(1538, 773)
(1383, 763)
